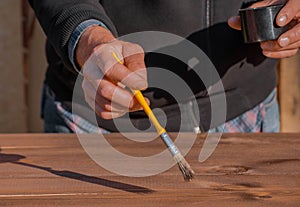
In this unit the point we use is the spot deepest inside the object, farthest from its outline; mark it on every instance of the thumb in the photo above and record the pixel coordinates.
(234, 22)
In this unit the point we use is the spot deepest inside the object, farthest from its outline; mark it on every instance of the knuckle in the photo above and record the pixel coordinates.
(107, 92)
(138, 48)
(135, 49)
(98, 50)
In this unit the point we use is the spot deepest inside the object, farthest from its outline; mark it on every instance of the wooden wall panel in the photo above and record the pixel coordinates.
(12, 98)
(289, 91)
(36, 72)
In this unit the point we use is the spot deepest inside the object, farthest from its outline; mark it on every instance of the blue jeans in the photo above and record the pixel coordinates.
(53, 122)
(271, 122)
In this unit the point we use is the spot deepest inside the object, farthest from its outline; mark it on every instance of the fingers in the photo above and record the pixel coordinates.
(280, 54)
(287, 44)
(234, 22)
(115, 93)
(106, 92)
(134, 60)
(130, 77)
(266, 3)
(102, 112)
(91, 93)
(105, 77)
(288, 12)
(272, 49)
(290, 37)
(274, 46)
(109, 100)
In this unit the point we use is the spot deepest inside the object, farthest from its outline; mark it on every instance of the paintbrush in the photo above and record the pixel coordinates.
(183, 165)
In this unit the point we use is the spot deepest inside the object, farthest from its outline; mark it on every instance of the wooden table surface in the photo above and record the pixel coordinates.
(244, 170)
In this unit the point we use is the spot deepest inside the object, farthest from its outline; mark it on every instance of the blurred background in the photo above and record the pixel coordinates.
(23, 64)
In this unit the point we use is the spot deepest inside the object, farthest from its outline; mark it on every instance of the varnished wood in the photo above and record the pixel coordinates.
(245, 170)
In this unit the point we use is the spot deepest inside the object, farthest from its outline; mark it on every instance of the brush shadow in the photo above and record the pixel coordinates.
(14, 158)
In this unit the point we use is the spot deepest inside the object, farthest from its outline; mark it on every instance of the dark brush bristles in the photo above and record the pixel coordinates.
(184, 167)
(186, 171)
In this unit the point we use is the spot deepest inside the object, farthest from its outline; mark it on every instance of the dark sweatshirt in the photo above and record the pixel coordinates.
(248, 77)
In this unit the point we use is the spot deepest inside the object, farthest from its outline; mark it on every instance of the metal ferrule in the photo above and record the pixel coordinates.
(169, 143)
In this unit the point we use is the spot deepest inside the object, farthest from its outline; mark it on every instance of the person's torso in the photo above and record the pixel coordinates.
(246, 74)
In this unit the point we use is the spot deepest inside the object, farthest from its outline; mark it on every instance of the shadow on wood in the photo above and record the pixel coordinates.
(14, 158)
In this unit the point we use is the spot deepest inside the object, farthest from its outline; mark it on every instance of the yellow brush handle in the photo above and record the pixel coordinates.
(139, 96)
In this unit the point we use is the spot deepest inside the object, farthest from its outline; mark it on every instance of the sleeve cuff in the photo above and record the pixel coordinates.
(75, 36)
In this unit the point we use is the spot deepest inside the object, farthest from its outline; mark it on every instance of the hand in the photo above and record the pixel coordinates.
(105, 78)
(289, 42)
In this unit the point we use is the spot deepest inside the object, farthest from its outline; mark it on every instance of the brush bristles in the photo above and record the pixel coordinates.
(186, 171)
(184, 167)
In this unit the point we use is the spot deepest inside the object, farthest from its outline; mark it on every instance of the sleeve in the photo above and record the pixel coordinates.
(59, 18)
(75, 36)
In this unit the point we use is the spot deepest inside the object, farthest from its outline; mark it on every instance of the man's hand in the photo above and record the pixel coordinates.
(105, 78)
(289, 42)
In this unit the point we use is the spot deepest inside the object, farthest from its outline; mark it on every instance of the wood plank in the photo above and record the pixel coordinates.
(245, 170)
(290, 94)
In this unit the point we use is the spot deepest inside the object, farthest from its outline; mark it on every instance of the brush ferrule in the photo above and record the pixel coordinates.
(169, 143)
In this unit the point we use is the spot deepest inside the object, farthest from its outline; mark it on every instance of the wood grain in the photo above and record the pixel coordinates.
(245, 170)
(289, 91)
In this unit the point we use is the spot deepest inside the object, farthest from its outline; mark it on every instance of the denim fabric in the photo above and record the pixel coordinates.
(53, 122)
(271, 121)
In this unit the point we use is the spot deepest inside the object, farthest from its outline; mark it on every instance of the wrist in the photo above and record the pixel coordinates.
(91, 38)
